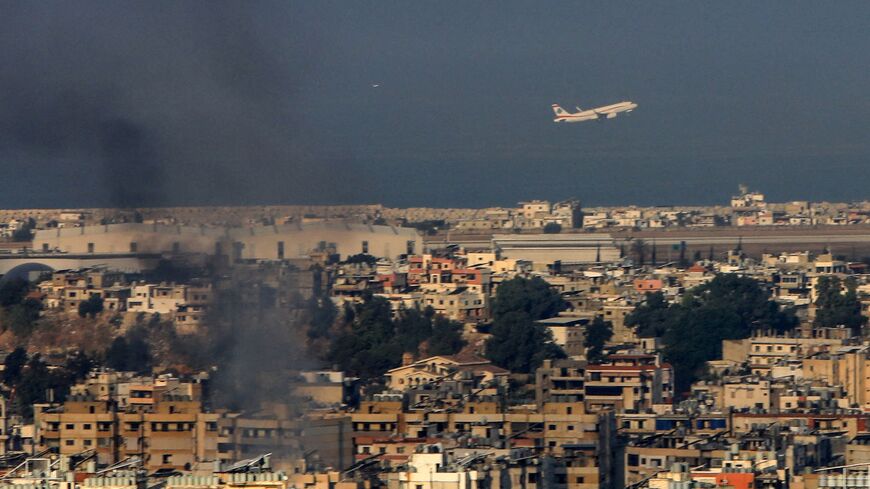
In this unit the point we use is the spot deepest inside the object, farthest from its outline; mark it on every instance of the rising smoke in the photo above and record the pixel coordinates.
(133, 104)
(152, 103)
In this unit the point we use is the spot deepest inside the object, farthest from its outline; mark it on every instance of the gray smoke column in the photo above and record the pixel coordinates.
(152, 103)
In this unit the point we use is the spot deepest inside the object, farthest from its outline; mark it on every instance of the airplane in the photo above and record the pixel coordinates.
(598, 113)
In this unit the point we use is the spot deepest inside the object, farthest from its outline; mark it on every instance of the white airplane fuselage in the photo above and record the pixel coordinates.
(605, 112)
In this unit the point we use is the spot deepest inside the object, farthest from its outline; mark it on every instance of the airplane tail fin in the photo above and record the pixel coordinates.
(559, 110)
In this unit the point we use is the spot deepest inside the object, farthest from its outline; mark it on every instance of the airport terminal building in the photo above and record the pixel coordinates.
(263, 242)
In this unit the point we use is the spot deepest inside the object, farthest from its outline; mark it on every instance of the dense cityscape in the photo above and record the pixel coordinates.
(272, 244)
(543, 346)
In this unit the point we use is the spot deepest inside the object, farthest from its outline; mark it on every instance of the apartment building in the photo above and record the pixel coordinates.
(172, 432)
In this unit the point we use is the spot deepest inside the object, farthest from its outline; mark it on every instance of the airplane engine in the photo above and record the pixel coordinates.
(611, 115)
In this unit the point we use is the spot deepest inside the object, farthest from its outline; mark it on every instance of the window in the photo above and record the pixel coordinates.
(70, 427)
(89, 443)
(176, 247)
(280, 250)
(167, 459)
(87, 426)
(365, 247)
(45, 247)
(70, 443)
(134, 247)
(580, 480)
(90, 247)
(410, 247)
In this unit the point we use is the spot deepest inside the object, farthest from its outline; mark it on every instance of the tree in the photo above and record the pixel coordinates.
(25, 232)
(413, 327)
(33, 385)
(13, 291)
(552, 228)
(838, 307)
(116, 354)
(13, 366)
(650, 317)
(370, 346)
(519, 344)
(361, 258)
(91, 307)
(139, 355)
(534, 297)
(446, 337)
(21, 318)
(322, 312)
(78, 365)
(596, 335)
(130, 352)
(727, 307)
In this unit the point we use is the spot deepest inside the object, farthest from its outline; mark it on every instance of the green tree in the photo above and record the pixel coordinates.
(595, 336)
(139, 356)
(25, 232)
(727, 307)
(534, 297)
(838, 307)
(13, 365)
(21, 318)
(413, 327)
(552, 228)
(370, 346)
(78, 365)
(13, 291)
(446, 337)
(91, 307)
(519, 344)
(650, 317)
(323, 313)
(116, 354)
(361, 258)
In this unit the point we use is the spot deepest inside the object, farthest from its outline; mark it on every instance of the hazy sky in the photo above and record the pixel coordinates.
(143, 103)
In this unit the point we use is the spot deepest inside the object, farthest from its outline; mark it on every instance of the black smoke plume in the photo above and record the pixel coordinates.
(153, 103)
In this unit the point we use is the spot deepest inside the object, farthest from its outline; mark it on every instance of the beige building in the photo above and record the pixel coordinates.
(848, 367)
(419, 373)
(263, 242)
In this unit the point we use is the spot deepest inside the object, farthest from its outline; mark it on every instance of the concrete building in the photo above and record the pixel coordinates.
(550, 248)
(252, 243)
